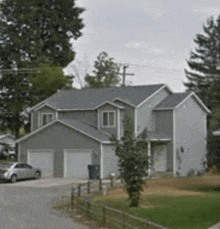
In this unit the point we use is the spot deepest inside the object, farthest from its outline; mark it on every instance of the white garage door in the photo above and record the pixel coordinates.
(76, 163)
(42, 159)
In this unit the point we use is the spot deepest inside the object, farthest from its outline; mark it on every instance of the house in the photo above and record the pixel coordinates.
(7, 145)
(71, 130)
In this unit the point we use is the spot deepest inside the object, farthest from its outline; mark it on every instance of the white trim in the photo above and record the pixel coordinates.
(118, 124)
(152, 95)
(174, 143)
(99, 119)
(135, 122)
(42, 106)
(41, 117)
(32, 121)
(197, 99)
(56, 115)
(51, 123)
(108, 102)
(124, 101)
(66, 151)
(101, 161)
(108, 111)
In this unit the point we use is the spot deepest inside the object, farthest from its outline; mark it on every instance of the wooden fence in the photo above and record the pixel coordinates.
(107, 216)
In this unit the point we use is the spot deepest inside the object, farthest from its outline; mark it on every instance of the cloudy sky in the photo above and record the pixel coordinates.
(154, 37)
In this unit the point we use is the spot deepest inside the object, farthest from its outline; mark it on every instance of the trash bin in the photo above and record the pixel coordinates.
(93, 171)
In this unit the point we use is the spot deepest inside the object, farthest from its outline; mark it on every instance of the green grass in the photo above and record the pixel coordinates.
(184, 212)
(197, 211)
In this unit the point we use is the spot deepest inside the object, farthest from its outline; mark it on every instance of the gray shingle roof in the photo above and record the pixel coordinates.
(87, 130)
(171, 101)
(90, 98)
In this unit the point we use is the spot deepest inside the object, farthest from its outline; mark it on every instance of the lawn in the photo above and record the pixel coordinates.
(183, 203)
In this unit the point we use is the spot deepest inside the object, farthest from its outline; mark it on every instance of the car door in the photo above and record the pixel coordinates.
(28, 171)
(19, 171)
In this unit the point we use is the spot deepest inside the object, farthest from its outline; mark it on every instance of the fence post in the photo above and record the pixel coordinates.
(112, 181)
(72, 197)
(88, 187)
(100, 184)
(104, 216)
(89, 209)
(79, 190)
(124, 221)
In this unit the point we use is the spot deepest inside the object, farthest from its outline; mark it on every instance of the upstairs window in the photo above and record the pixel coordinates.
(46, 118)
(108, 119)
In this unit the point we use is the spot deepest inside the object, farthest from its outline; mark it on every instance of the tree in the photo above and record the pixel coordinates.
(204, 62)
(38, 31)
(133, 162)
(105, 72)
(33, 32)
(46, 81)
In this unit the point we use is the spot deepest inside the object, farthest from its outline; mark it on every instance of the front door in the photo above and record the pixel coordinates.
(160, 156)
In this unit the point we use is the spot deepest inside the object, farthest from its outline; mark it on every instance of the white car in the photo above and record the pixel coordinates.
(13, 171)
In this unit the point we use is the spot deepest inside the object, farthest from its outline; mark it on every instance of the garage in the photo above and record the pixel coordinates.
(76, 163)
(42, 159)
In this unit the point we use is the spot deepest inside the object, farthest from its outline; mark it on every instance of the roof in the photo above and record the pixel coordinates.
(83, 128)
(174, 100)
(6, 136)
(90, 98)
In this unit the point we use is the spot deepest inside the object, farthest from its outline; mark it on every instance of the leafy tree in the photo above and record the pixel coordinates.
(105, 73)
(46, 81)
(33, 32)
(204, 62)
(133, 162)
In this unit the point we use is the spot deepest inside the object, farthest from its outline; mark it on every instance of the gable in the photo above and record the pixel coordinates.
(81, 128)
(91, 98)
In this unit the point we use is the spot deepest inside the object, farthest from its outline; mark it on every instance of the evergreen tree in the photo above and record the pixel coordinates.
(204, 62)
(133, 161)
(105, 72)
(32, 32)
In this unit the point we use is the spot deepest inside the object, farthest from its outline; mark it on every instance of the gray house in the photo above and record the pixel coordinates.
(72, 129)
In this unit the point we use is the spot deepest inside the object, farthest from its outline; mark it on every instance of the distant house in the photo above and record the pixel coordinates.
(71, 130)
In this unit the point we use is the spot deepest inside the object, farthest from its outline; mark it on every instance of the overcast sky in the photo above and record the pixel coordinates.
(154, 37)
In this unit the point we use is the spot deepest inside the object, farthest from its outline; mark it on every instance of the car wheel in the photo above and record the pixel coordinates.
(13, 178)
(37, 175)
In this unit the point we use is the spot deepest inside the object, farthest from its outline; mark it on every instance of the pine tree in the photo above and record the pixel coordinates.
(204, 62)
(32, 32)
(105, 73)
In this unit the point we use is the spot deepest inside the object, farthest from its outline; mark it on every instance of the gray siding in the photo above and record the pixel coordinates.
(145, 115)
(57, 138)
(36, 116)
(110, 161)
(110, 130)
(164, 124)
(89, 116)
(128, 111)
(190, 137)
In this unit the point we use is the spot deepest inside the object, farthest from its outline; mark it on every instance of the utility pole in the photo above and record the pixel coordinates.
(124, 74)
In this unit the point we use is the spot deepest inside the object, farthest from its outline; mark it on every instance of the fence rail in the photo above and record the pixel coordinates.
(107, 216)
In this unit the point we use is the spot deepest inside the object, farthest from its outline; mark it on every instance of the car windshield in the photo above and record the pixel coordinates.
(6, 165)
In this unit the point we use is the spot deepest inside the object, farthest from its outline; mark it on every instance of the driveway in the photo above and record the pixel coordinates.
(28, 204)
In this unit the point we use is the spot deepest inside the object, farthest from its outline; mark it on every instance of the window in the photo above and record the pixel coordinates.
(46, 118)
(108, 119)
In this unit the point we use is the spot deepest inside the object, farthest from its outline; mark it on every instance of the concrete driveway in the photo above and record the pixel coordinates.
(28, 204)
